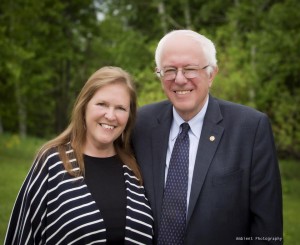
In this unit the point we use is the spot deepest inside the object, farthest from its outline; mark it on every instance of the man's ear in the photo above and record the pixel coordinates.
(156, 72)
(213, 74)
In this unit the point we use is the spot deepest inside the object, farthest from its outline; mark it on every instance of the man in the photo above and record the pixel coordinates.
(232, 189)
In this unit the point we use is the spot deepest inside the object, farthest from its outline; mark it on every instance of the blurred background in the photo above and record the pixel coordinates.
(49, 48)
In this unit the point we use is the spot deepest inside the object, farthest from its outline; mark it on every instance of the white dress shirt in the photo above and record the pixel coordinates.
(196, 124)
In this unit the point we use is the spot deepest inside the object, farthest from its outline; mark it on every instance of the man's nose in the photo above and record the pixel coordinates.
(180, 79)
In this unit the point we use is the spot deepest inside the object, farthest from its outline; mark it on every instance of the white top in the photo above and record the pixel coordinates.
(196, 124)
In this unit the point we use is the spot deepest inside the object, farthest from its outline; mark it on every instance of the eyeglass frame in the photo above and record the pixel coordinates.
(197, 68)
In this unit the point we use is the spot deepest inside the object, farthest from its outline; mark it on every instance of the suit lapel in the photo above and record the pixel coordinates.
(210, 137)
(160, 139)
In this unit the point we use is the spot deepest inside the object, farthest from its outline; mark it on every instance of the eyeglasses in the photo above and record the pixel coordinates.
(170, 73)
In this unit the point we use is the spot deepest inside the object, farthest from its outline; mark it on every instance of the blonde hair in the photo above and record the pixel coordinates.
(75, 133)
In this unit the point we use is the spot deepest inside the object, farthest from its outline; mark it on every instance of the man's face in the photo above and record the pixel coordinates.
(187, 95)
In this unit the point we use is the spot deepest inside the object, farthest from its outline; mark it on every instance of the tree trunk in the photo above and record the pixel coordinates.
(63, 100)
(187, 14)
(162, 14)
(1, 126)
(22, 114)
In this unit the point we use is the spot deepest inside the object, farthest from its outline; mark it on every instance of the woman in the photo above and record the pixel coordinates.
(85, 186)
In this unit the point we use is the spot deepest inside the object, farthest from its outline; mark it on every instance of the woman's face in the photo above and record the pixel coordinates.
(106, 117)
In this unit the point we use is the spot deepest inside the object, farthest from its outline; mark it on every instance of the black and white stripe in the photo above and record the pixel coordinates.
(53, 207)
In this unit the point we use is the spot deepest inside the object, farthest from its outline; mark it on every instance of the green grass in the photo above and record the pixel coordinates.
(290, 175)
(16, 157)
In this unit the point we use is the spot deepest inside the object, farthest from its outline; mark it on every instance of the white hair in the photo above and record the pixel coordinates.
(204, 43)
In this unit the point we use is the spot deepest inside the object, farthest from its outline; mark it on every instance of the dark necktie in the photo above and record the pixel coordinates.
(173, 219)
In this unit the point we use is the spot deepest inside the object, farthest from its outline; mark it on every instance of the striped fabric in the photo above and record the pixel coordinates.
(53, 207)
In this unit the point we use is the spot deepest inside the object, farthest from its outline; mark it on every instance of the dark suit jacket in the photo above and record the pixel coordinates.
(236, 190)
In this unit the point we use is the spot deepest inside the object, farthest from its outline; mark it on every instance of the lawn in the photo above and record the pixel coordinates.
(16, 156)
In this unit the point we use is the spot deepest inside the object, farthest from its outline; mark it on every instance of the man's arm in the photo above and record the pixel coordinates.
(265, 188)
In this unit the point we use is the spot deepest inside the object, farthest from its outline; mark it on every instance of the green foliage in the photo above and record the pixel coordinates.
(45, 43)
(48, 50)
(286, 123)
(258, 61)
(150, 89)
(280, 73)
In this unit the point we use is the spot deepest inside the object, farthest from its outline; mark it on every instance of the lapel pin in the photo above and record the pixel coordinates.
(212, 138)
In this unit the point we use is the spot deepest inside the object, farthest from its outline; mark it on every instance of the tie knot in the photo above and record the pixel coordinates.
(185, 128)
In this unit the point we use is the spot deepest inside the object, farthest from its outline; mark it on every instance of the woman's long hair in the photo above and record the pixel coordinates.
(75, 133)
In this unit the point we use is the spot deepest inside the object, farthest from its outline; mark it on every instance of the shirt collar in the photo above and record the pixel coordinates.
(195, 123)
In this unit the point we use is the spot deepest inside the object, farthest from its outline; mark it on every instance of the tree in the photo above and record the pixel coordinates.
(49, 48)
(47, 41)
(279, 73)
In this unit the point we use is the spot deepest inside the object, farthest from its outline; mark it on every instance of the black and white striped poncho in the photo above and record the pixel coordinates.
(53, 207)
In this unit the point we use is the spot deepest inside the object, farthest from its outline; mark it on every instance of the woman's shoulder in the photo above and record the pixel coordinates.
(50, 158)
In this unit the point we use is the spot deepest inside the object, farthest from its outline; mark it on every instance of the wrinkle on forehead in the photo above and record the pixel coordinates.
(182, 51)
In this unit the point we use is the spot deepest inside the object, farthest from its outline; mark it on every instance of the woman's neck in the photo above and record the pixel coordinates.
(94, 151)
